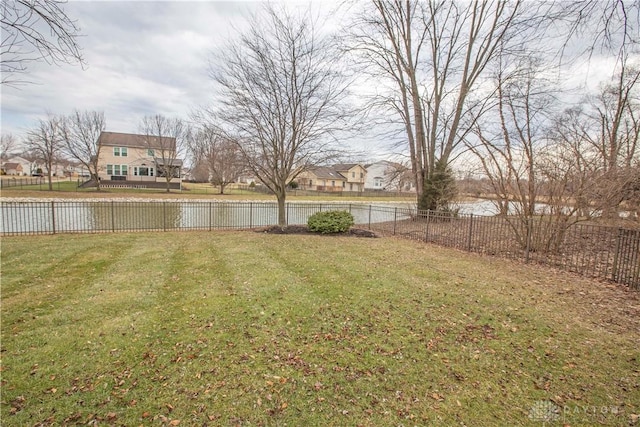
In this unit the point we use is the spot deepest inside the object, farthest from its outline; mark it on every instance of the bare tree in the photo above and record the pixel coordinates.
(8, 143)
(280, 92)
(220, 157)
(435, 54)
(531, 176)
(35, 30)
(603, 135)
(166, 139)
(80, 133)
(397, 175)
(45, 142)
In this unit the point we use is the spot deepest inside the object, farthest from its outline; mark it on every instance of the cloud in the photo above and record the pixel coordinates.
(142, 58)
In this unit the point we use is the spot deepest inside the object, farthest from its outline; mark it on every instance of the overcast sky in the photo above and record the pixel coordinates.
(142, 58)
(145, 58)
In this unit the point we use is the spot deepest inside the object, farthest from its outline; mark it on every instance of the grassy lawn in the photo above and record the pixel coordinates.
(243, 328)
(69, 190)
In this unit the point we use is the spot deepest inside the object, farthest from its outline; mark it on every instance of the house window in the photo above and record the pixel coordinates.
(377, 182)
(310, 182)
(333, 183)
(361, 175)
(142, 171)
(353, 174)
(351, 187)
(120, 151)
(117, 170)
(150, 152)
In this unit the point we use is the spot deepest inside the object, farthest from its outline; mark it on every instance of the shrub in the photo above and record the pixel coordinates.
(330, 222)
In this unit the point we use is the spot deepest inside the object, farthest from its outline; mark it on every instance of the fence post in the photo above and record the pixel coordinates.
(426, 231)
(53, 216)
(164, 216)
(210, 215)
(395, 219)
(527, 249)
(470, 239)
(287, 213)
(616, 256)
(369, 217)
(250, 214)
(113, 218)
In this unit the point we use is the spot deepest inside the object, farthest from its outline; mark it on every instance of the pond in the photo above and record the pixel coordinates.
(44, 217)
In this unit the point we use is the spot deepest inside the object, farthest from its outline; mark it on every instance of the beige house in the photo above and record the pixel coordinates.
(355, 175)
(344, 177)
(141, 161)
(12, 169)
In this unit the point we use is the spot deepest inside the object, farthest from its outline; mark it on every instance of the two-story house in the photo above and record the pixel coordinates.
(389, 176)
(320, 178)
(342, 177)
(141, 161)
(354, 174)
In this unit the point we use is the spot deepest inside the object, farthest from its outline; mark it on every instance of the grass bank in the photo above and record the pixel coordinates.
(242, 328)
(69, 190)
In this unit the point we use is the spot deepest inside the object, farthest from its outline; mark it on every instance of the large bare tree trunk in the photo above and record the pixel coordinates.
(281, 98)
(435, 53)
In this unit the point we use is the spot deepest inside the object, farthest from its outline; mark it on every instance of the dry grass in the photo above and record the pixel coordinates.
(242, 328)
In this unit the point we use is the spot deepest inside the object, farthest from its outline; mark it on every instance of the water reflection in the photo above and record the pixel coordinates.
(79, 216)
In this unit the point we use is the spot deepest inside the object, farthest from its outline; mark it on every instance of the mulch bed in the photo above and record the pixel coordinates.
(303, 229)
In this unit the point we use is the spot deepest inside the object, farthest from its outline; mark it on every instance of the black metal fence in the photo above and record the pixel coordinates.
(596, 251)
(20, 181)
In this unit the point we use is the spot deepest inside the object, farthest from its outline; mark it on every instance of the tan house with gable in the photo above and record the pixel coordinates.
(354, 174)
(344, 177)
(12, 169)
(140, 161)
(320, 178)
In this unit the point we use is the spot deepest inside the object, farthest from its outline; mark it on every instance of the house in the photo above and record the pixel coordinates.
(27, 167)
(9, 168)
(354, 174)
(389, 176)
(140, 161)
(338, 178)
(320, 178)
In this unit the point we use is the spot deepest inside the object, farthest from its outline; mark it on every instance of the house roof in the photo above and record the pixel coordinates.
(12, 165)
(345, 166)
(117, 139)
(323, 172)
(174, 162)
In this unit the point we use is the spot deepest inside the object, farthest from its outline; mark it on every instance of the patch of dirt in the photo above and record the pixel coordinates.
(303, 229)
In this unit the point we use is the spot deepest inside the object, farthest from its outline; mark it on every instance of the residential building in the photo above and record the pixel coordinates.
(10, 168)
(27, 167)
(338, 178)
(389, 176)
(320, 178)
(131, 160)
(355, 175)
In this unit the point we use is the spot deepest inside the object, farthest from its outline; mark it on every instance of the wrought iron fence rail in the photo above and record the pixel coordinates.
(596, 251)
